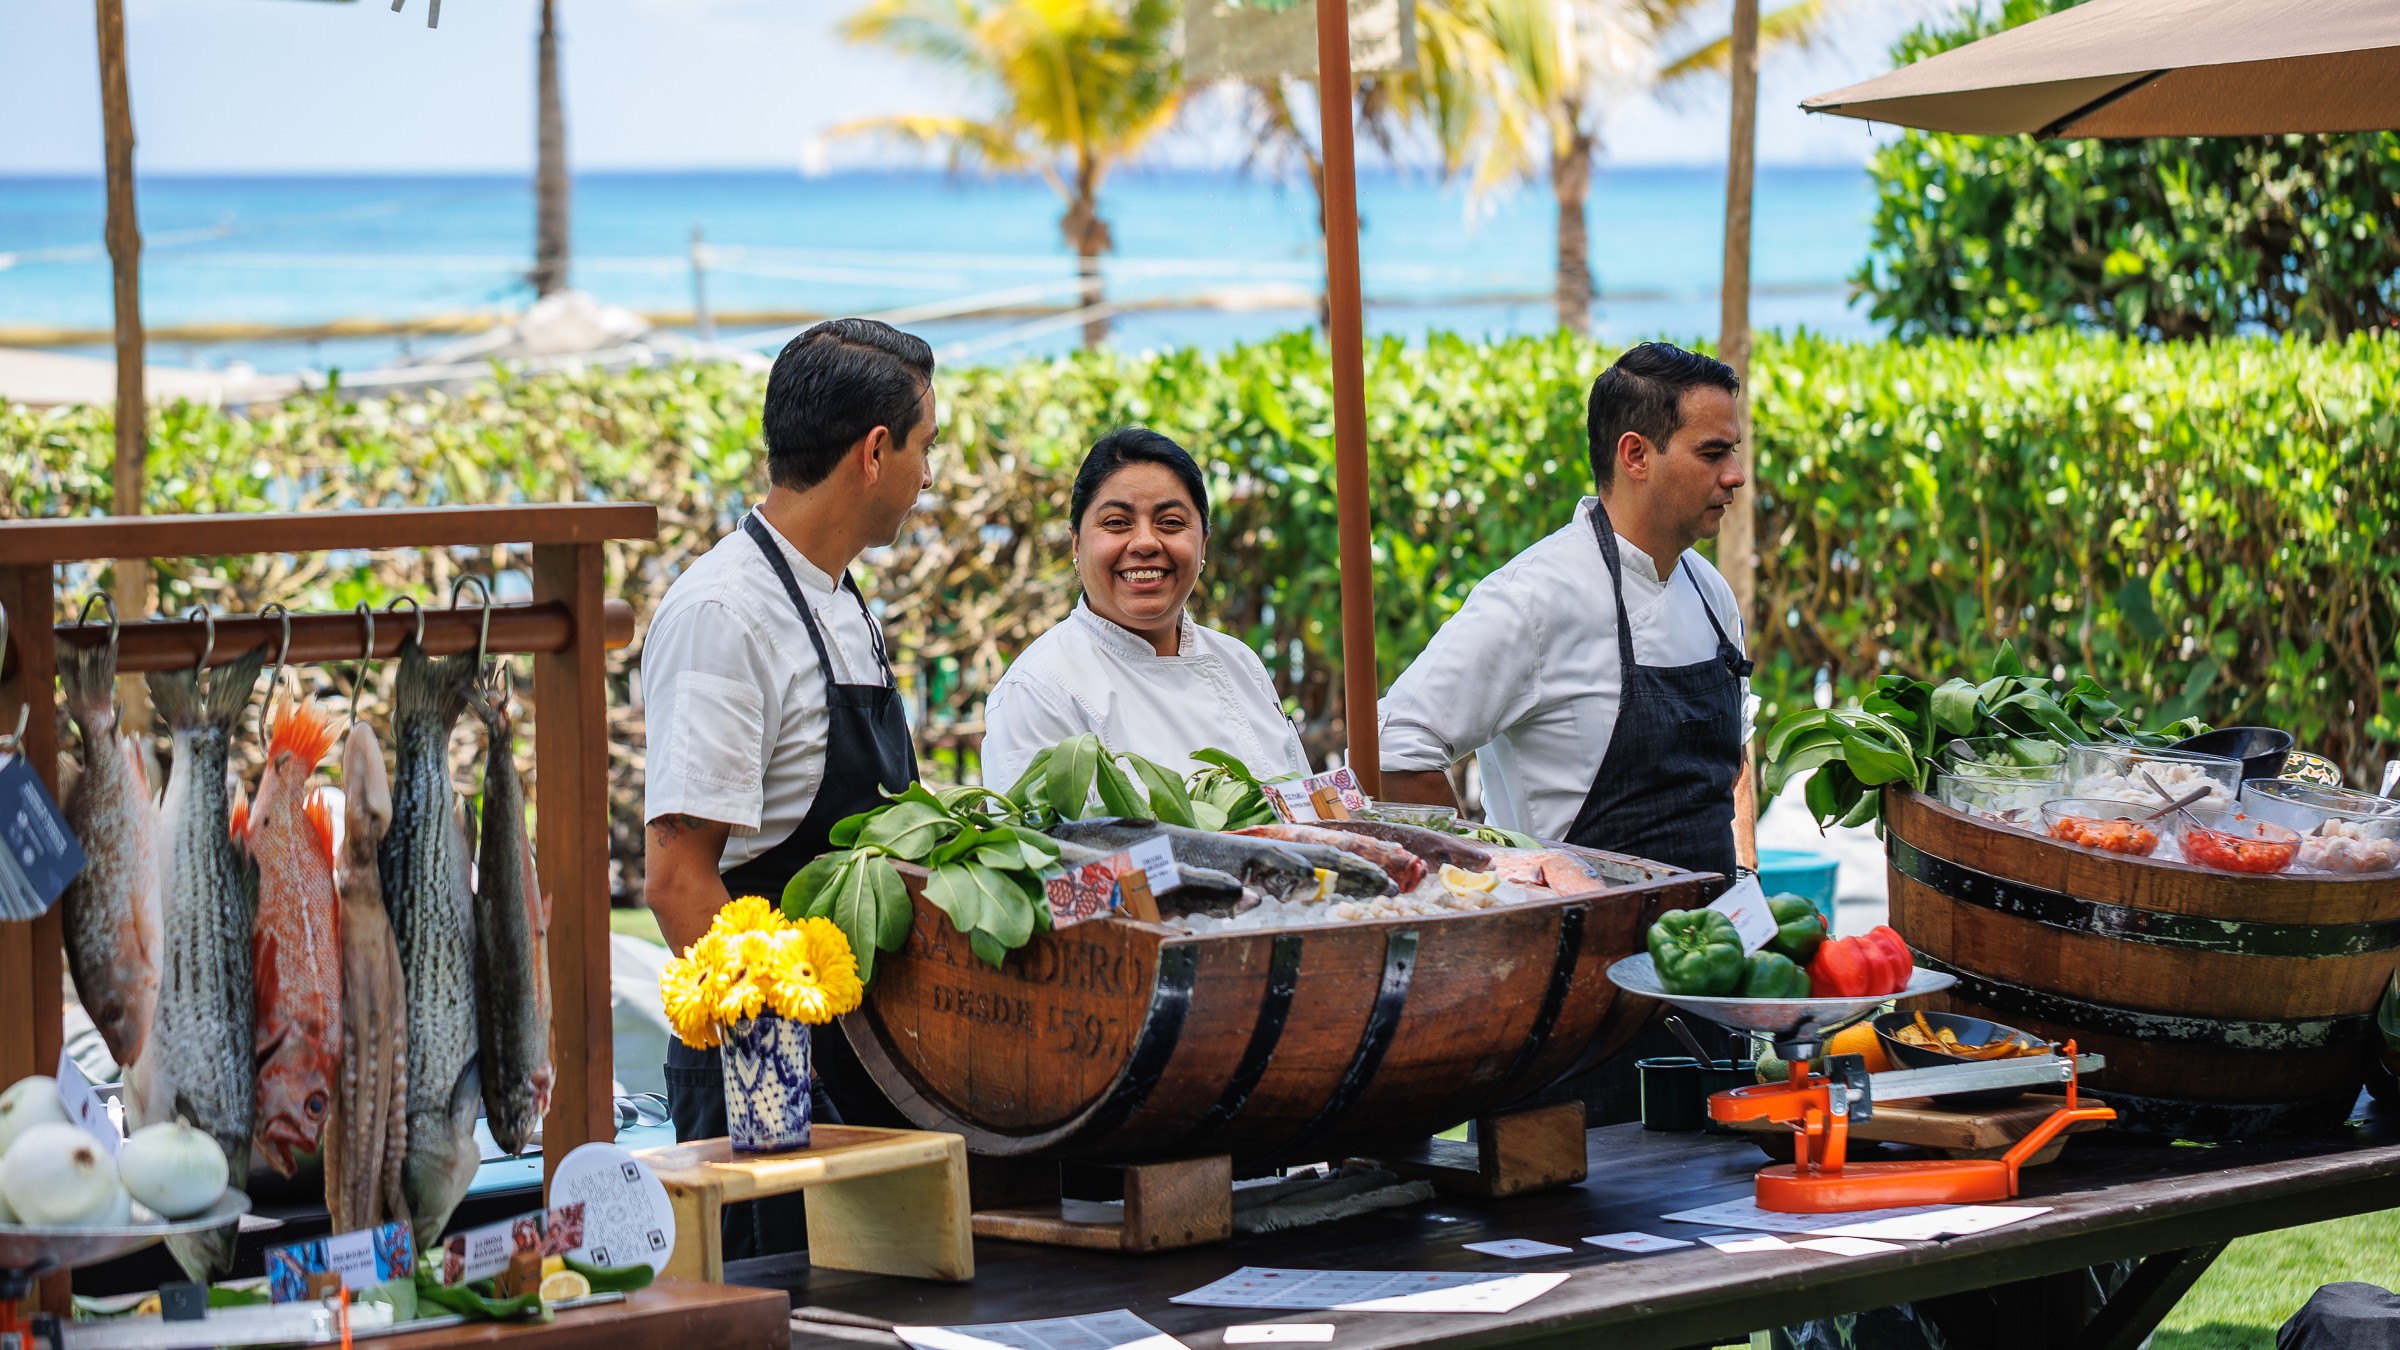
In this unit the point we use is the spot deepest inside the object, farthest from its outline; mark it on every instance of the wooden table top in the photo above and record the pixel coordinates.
(667, 1313)
(2111, 1199)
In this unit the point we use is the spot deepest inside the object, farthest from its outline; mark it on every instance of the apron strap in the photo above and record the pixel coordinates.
(1606, 533)
(757, 530)
(1740, 665)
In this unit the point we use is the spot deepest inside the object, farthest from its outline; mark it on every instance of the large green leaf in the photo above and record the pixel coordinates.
(1169, 801)
(1957, 708)
(859, 899)
(1074, 764)
(1117, 796)
(909, 829)
(805, 893)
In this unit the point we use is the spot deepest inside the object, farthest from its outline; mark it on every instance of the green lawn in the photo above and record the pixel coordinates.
(640, 923)
(2262, 1280)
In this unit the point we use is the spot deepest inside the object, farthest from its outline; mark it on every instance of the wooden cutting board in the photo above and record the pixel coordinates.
(1984, 1133)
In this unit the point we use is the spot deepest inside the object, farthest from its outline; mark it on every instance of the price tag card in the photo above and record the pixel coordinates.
(1746, 904)
(42, 854)
(1279, 1333)
(1327, 796)
(479, 1253)
(1516, 1249)
(1079, 893)
(84, 1106)
(1745, 1242)
(361, 1260)
(1636, 1242)
(1155, 859)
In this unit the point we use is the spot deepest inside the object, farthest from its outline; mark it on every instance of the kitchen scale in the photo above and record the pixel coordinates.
(1820, 1107)
(27, 1253)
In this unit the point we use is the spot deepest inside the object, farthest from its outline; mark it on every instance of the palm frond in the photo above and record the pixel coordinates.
(1796, 26)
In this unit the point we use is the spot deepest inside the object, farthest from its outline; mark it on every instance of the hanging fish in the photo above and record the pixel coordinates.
(512, 923)
(111, 907)
(198, 1063)
(367, 1140)
(422, 864)
(297, 949)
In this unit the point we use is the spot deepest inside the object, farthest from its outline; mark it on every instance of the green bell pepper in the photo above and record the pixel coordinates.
(1697, 952)
(1772, 975)
(1799, 928)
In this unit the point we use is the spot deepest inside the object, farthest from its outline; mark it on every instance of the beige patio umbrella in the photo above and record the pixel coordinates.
(2131, 68)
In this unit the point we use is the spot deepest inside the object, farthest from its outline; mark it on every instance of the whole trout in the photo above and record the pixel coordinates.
(297, 952)
(111, 907)
(1354, 855)
(367, 1142)
(512, 924)
(422, 864)
(1278, 871)
(198, 1062)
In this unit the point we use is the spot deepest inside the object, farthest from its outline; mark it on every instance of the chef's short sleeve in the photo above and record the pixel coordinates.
(1478, 676)
(1022, 715)
(711, 695)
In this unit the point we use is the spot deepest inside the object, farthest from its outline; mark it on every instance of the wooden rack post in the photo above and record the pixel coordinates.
(568, 628)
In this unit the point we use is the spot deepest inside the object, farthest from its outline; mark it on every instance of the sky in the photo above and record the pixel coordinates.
(302, 86)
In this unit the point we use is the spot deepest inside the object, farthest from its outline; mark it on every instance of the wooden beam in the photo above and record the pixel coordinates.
(1737, 545)
(1346, 337)
(175, 644)
(571, 842)
(88, 538)
(33, 954)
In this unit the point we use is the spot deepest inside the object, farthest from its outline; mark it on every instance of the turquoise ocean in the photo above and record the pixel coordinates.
(1204, 258)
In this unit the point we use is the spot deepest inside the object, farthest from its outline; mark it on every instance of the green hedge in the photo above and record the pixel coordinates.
(2205, 526)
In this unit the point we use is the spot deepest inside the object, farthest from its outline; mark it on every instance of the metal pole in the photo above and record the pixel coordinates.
(1737, 547)
(131, 470)
(703, 327)
(1345, 331)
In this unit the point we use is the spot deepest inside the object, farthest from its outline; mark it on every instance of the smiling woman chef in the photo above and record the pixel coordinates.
(1599, 676)
(1128, 662)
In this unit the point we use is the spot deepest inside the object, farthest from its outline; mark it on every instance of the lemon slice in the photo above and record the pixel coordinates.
(1463, 882)
(1324, 884)
(565, 1285)
(551, 1265)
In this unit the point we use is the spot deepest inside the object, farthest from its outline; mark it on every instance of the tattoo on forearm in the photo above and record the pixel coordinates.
(673, 827)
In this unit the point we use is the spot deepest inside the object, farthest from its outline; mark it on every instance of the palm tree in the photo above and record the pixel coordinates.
(1079, 86)
(550, 166)
(1560, 62)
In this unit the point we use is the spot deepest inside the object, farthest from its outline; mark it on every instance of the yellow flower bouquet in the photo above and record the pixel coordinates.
(752, 987)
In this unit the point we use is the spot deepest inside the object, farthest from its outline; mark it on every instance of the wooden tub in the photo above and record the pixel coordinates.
(1123, 1041)
(2227, 1005)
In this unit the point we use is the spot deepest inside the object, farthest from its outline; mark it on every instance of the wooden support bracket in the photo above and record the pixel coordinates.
(1186, 1203)
(1512, 1154)
(886, 1202)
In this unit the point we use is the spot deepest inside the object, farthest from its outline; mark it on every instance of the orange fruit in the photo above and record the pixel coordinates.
(1860, 1040)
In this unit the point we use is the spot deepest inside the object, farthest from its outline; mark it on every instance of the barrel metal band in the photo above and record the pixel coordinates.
(1154, 1045)
(1274, 1006)
(1391, 999)
(2309, 1033)
(2157, 927)
(1562, 979)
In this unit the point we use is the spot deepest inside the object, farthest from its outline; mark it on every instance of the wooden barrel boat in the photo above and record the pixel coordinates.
(1123, 1041)
(2227, 1005)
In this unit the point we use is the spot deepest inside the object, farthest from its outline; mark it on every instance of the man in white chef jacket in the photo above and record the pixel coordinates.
(1599, 677)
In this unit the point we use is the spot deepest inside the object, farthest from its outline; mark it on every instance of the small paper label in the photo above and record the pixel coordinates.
(1279, 1333)
(1326, 796)
(39, 855)
(360, 1260)
(84, 1106)
(1155, 858)
(1080, 893)
(1636, 1242)
(1516, 1249)
(1746, 1242)
(1746, 905)
(1849, 1246)
(482, 1252)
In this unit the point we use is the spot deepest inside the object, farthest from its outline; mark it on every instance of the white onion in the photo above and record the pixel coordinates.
(117, 1213)
(57, 1175)
(29, 1102)
(173, 1168)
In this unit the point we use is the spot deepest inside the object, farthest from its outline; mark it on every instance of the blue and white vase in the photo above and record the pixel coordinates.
(769, 1078)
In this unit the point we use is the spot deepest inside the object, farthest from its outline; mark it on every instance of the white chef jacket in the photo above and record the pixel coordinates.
(1088, 674)
(1526, 676)
(732, 694)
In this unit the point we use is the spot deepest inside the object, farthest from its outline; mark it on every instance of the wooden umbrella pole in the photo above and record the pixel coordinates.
(1345, 330)
(1737, 548)
(130, 473)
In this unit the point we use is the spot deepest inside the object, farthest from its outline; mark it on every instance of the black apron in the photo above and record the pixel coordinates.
(1664, 791)
(868, 752)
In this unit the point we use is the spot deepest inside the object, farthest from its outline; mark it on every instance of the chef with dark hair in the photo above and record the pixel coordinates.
(1599, 676)
(771, 706)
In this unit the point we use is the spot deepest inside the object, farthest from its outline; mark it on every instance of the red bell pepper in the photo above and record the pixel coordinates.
(1904, 961)
(1843, 968)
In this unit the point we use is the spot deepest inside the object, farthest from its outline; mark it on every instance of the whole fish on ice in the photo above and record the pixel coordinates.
(198, 1063)
(297, 951)
(110, 909)
(512, 921)
(422, 864)
(1402, 868)
(367, 1142)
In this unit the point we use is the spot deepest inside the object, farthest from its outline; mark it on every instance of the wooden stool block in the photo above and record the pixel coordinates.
(1167, 1205)
(887, 1202)
(1512, 1154)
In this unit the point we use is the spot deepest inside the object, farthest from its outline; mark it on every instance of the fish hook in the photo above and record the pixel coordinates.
(105, 601)
(483, 593)
(275, 677)
(358, 679)
(208, 645)
(411, 602)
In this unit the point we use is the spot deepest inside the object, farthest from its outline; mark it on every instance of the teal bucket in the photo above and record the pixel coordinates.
(1802, 872)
